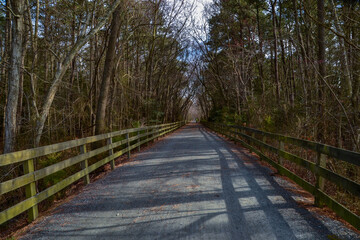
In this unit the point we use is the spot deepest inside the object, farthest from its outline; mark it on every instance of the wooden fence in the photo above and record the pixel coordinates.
(256, 141)
(31, 175)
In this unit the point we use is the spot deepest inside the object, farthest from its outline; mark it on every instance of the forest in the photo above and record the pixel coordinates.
(289, 67)
(70, 69)
(286, 67)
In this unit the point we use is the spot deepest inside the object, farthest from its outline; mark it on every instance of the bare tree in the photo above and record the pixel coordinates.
(62, 67)
(17, 27)
(108, 71)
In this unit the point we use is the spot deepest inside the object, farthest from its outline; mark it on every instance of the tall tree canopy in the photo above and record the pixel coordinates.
(284, 66)
(66, 65)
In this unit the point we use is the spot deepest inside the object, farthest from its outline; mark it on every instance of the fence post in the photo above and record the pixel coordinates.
(84, 165)
(109, 141)
(264, 141)
(320, 181)
(151, 135)
(155, 134)
(250, 142)
(231, 134)
(138, 133)
(236, 136)
(30, 190)
(128, 144)
(281, 147)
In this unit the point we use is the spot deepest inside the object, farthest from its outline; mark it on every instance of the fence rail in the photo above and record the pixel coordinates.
(252, 136)
(31, 175)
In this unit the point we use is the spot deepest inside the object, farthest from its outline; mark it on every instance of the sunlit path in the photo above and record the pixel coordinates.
(191, 185)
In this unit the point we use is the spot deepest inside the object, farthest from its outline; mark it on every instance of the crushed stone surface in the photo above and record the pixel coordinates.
(191, 185)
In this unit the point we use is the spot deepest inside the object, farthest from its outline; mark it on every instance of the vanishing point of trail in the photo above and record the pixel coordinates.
(190, 185)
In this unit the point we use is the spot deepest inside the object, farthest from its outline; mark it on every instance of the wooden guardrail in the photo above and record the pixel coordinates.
(257, 143)
(31, 175)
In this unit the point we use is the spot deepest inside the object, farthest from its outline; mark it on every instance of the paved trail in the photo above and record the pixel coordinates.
(191, 185)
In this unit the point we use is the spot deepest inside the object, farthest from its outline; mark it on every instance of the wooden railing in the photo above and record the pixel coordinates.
(31, 175)
(256, 141)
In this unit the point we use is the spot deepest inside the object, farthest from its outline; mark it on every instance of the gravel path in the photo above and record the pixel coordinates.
(191, 185)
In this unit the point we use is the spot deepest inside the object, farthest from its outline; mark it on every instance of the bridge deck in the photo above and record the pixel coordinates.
(191, 185)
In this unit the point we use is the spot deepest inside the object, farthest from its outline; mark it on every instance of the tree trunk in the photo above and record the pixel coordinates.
(108, 73)
(61, 70)
(276, 66)
(303, 65)
(322, 71)
(14, 74)
(344, 56)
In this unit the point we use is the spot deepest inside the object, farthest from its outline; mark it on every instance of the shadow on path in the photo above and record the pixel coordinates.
(192, 185)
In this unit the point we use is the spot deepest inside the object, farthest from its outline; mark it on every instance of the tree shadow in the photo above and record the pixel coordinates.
(193, 186)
